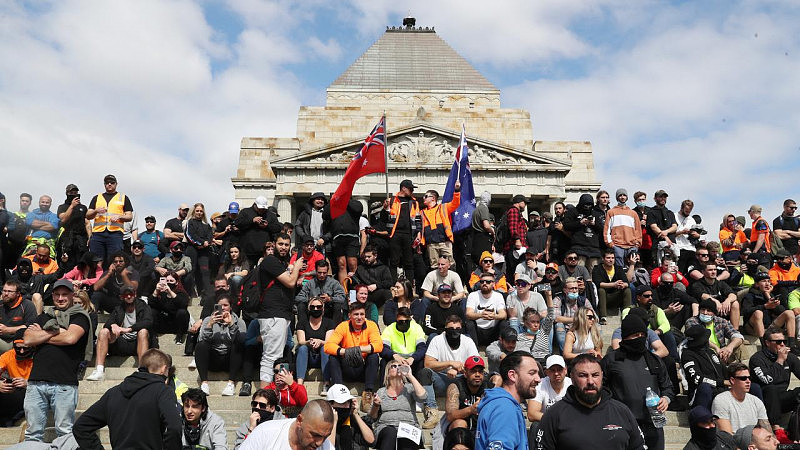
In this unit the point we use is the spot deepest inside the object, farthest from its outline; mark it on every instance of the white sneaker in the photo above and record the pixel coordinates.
(229, 390)
(419, 407)
(204, 388)
(192, 365)
(97, 375)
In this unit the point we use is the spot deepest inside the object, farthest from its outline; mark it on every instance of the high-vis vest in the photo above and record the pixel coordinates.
(116, 206)
(394, 214)
(755, 233)
(436, 224)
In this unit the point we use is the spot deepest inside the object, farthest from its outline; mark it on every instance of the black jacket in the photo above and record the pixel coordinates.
(144, 317)
(377, 274)
(768, 372)
(754, 301)
(724, 442)
(703, 366)
(663, 218)
(302, 226)
(253, 237)
(137, 411)
(347, 223)
(162, 303)
(585, 240)
(570, 425)
(627, 378)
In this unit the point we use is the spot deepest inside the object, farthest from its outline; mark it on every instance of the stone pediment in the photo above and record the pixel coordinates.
(424, 146)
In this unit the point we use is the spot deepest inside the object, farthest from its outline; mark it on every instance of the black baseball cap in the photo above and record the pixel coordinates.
(407, 184)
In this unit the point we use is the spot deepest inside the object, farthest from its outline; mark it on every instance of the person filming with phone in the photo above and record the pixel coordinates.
(220, 345)
(290, 393)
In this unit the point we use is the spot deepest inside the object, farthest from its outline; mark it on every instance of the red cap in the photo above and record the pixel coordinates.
(473, 361)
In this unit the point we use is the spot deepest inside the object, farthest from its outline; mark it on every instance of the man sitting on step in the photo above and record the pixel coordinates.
(772, 368)
(201, 427)
(724, 338)
(126, 332)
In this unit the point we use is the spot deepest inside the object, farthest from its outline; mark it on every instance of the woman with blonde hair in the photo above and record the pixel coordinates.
(584, 337)
(200, 238)
(395, 403)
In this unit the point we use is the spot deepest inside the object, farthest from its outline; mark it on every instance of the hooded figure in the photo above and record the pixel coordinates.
(702, 366)
(309, 223)
(586, 225)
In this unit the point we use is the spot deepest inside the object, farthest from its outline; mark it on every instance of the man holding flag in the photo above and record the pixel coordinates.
(437, 231)
(461, 176)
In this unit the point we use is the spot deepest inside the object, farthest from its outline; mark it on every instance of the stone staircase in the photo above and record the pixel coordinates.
(234, 410)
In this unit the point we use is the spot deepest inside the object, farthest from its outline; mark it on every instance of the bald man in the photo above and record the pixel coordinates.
(309, 431)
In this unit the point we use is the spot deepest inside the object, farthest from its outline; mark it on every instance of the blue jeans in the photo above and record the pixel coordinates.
(306, 359)
(560, 333)
(105, 243)
(42, 396)
(441, 381)
(621, 253)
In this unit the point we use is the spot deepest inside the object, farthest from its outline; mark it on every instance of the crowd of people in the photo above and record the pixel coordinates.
(279, 299)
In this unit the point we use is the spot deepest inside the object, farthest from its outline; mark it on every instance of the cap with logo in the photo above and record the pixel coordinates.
(509, 334)
(474, 361)
(339, 393)
(71, 187)
(233, 208)
(176, 244)
(444, 287)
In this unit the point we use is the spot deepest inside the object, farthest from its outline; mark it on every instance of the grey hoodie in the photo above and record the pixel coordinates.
(222, 336)
(212, 432)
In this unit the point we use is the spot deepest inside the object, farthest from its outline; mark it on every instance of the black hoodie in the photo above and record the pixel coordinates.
(136, 411)
(570, 425)
(585, 240)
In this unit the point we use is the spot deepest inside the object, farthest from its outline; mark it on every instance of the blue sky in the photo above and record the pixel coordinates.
(697, 98)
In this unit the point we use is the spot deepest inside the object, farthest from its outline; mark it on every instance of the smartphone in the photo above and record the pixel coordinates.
(352, 296)
(162, 280)
(580, 278)
(217, 309)
(284, 366)
(544, 287)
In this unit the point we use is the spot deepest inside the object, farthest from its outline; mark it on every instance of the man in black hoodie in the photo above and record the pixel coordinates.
(587, 415)
(705, 373)
(141, 412)
(375, 275)
(586, 225)
(310, 224)
(773, 367)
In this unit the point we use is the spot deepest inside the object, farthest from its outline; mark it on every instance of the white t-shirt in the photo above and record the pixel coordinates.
(363, 222)
(433, 280)
(740, 414)
(273, 435)
(440, 351)
(547, 396)
(479, 303)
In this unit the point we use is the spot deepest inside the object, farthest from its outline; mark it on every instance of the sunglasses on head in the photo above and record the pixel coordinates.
(259, 405)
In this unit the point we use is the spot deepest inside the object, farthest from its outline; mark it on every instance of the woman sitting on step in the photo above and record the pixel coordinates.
(584, 337)
(169, 302)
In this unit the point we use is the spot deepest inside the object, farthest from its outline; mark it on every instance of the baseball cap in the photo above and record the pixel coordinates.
(444, 287)
(71, 187)
(261, 202)
(661, 193)
(473, 361)
(108, 178)
(338, 393)
(518, 198)
(127, 289)
(137, 242)
(150, 219)
(215, 215)
(761, 276)
(509, 334)
(175, 244)
(524, 277)
(552, 265)
(741, 220)
(308, 239)
(183, 206)
(233, 208)
(554, 360)
(643, 288)
(64, 283)
(407, 184)
(534, 213)
(701, 414)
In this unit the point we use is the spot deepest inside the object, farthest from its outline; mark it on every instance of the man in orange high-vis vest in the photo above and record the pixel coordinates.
(437, 231)
(109, 211)
(759, 236)
(406, 221)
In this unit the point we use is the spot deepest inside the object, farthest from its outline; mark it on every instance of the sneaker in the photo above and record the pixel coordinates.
(204, 388)
(366, 401)
(180, 338)
(193, 364)
(431, 418)
(229, 390)
(245, 390)
(603, 321)
(97, 375)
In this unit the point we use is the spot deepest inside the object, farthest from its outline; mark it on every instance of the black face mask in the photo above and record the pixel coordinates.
(705, 438)
(696, 344)
(785, 265)
(403, 325)
(24, 273)
(342, 414)
(23, 353)
(263, 415)
(192, 434)
(219, 292)
(315, 313)
(665, 288)
(177, 255)
(453, 337)
(636, 346)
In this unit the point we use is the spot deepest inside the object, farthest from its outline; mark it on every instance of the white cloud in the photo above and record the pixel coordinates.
(330, 50)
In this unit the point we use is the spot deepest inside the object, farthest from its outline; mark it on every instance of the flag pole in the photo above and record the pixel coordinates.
(386, 154)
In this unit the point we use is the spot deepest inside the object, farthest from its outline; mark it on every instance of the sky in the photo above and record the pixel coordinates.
(697, 98)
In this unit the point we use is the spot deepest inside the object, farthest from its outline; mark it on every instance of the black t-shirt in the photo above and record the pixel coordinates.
(175, 225)
(404, 216)
(435, 317)
(126, 207)
(114, 284)
(277, 300)
(788, 224)
(537, 239)
(76, 222)
(23, 314)
(327, 324)
(467, 398)
(58, 364)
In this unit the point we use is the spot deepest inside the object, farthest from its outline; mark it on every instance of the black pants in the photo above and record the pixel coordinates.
(387, 440)
(684, 259)
(173, 323)
(481, 242)
(251, 363)
(367, 372)
(11, 406)
(400, 255)
(777, 400)
(105, 302)
(653, 437)
(200, 267)
(207, 359)
(379, 296)
(483, 336)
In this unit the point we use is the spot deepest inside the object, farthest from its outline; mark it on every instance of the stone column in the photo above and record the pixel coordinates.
(284, 205)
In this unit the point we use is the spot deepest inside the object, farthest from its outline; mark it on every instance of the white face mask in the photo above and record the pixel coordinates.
(705, 318)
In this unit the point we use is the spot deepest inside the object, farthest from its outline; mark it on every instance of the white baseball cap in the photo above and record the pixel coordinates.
(261, 202)
(554, 360)
(339, 393)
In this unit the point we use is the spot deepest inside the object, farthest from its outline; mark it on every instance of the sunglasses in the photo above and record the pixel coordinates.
(792, 207)
(315, 308)
(111, 182)
(522, 283)
(127, 295)
(778, 341)
(486, 261)
(647, 295)
(590, 317)
(742, 377)
(487, 281)
(571, 258)
(702, 255)
(259, 405)
(137, 246)
(394, 366)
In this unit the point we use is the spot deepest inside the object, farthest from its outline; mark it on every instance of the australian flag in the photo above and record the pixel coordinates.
(462, 218)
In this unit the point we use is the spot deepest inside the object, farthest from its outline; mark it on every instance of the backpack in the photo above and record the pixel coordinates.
(502, 233)
(250, 294)
(20, 232)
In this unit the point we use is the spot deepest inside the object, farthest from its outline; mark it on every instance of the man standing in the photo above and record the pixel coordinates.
(437, 232)
(152, 240)
(500, 420)
(310, 224)
(42, 225)
(482, 230)
(74, 238)
(787, 227)
(309, 431)
(109, 210)
(275, 311)
(622, 231)
(60, 338)
(517, 228)
(257, 226)
(405, 215)
(588, 415)
(174, 228)
(661, 225)
(139, 412)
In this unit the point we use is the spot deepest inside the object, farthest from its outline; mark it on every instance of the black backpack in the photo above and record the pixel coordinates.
(251, 294)
(502, 233)
(20, 232)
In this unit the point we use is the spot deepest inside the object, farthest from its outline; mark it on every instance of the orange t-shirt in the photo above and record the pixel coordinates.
(15, 368)
(739, 238)
(47, 269)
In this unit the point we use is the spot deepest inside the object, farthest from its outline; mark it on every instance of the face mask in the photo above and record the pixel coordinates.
(342, 414)
(621, 203)
(24, 273)
(705, 318)
(403, 326)
(697, 344)
(453, 337)
(263, 415)
(641, 204)
(752, 268)
(573, 296)
(219, 292)
(665, 287)
(23, 353)
(177, 254)
(706, 438)
(785, 265)
(315, 313)
(192, 434)
(635, 346)
(536, 222)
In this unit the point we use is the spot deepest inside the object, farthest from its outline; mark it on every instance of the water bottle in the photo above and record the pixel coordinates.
(651, 400)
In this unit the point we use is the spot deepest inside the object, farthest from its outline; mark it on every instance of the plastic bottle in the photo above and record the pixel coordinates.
(651, 400)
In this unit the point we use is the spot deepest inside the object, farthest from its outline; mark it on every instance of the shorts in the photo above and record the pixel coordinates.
(346, 246)
(123, 347)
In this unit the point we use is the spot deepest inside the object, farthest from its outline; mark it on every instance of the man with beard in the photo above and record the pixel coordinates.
(442, 275)
(437, 232)
(773, 368)
(784, 274)
(257, 226)
(631, 370)
(310, 224)
(310, 257)
(143, 264)
(16, 364)
(309, 431)
(324, 287)
(16, 314)
(500, 420)
(570, 268)
(42, 225)
(661, 224)
(558, 241)
(676, 303)
(464, 396)
(517, 228)
(762, 309)
(656, 319)
(107, 289)
(485, 311)
(586, 225)
(32, 285)
(588, 415)
(153, 240)
(787, 227)
(174, 228)
(705, 435)
(275, 311)
(109, 210)
(438, 311)
(550, 391)
(536, 237)
(375, 275)
(74, 239)
(263, 408)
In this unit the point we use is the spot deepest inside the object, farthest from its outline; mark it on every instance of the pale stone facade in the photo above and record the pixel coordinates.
(426, 91)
